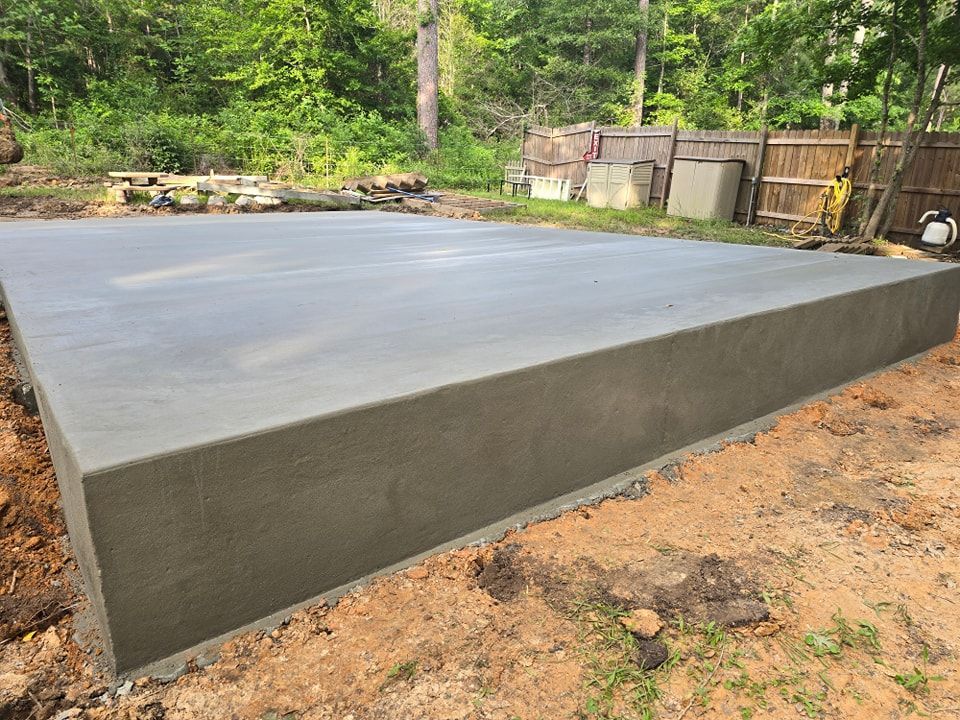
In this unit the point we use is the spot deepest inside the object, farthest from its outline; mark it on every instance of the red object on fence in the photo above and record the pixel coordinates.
(594, 152)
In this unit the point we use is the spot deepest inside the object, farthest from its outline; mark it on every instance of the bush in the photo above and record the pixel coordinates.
(310, 144)
(462, 161)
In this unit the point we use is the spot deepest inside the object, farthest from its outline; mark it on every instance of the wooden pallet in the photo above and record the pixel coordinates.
(479, 205)
(130, 181)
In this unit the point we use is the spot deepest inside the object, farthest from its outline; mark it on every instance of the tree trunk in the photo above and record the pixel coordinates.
(826, 92)
(885, 207)
(882, 214)
(937, 83)
(663, 47)
(743, 58)
(31, 80)
(587, 50)
(640, 63)
(868, 199)
(428, 71)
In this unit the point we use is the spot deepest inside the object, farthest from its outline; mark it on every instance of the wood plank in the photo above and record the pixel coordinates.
(899, 143)
(552, 163)
(803, 141)
(136, 175)
(722, 141)
(668, 173)
(282, 193)
(627, 133)
(147, 188)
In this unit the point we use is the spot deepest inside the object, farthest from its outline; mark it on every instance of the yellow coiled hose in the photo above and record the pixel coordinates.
(830, 207)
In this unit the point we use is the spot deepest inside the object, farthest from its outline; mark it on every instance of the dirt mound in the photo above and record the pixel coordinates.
(10, 150)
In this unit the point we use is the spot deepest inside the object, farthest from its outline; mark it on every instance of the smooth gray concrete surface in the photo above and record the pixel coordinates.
(248, 411)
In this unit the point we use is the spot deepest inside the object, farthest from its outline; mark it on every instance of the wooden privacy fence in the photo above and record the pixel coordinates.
(784, 171)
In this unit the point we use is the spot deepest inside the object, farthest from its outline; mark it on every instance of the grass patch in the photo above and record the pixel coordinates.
(616, 684)
(59, 193)
(635, 221)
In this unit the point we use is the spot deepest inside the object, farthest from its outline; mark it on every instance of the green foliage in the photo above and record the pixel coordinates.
(403, 671)
(464, 162)
(918, 681)
(321, 89)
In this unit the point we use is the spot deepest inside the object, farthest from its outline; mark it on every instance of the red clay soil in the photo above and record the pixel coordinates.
(811, 572)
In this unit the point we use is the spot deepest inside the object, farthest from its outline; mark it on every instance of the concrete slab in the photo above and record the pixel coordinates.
(248, 411)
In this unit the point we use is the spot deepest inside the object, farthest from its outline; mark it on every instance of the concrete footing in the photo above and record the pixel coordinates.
(246, 412)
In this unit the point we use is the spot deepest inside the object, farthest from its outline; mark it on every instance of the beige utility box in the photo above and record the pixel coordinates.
(705, 188)
(618, 183)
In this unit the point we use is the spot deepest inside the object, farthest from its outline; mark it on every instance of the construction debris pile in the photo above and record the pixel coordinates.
(248, 189)
(406, 189)
(410, 191)
(380, 188)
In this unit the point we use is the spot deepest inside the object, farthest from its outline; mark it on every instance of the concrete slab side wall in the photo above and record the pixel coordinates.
(194, 544)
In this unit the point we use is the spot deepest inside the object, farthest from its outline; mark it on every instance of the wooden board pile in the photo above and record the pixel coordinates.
(382, 188)
(261, 187)
(849, 246)
(410, 190)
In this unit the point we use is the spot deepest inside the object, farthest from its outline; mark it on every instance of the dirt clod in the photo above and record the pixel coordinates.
(642, 623)
(766, 629)
(650, 654)
(501, 576)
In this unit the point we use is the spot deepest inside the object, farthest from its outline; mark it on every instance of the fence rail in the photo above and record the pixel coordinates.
(784, 171)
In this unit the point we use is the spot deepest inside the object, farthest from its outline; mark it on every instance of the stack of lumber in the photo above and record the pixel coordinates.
(126, 182)
(381, 188)
(849, 246)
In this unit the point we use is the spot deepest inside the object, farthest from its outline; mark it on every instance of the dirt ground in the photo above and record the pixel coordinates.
(811, 572)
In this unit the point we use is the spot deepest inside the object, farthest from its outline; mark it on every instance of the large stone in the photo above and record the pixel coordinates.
(247, 411)
(267, 200)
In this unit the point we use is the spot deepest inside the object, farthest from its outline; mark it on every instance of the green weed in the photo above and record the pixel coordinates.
(400, 672)
(614, 678)
(918, 681)
(903, 615)
(821, 644)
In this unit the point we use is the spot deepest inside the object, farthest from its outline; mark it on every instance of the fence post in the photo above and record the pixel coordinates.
(757, 177)
(523, 142)
(849, 160)
(668, 171)
(852, 146)
(326, 160)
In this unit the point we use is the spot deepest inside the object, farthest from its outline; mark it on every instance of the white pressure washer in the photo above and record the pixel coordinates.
(941, 232)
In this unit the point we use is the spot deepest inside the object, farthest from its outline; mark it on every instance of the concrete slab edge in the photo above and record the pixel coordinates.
(630, 483)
